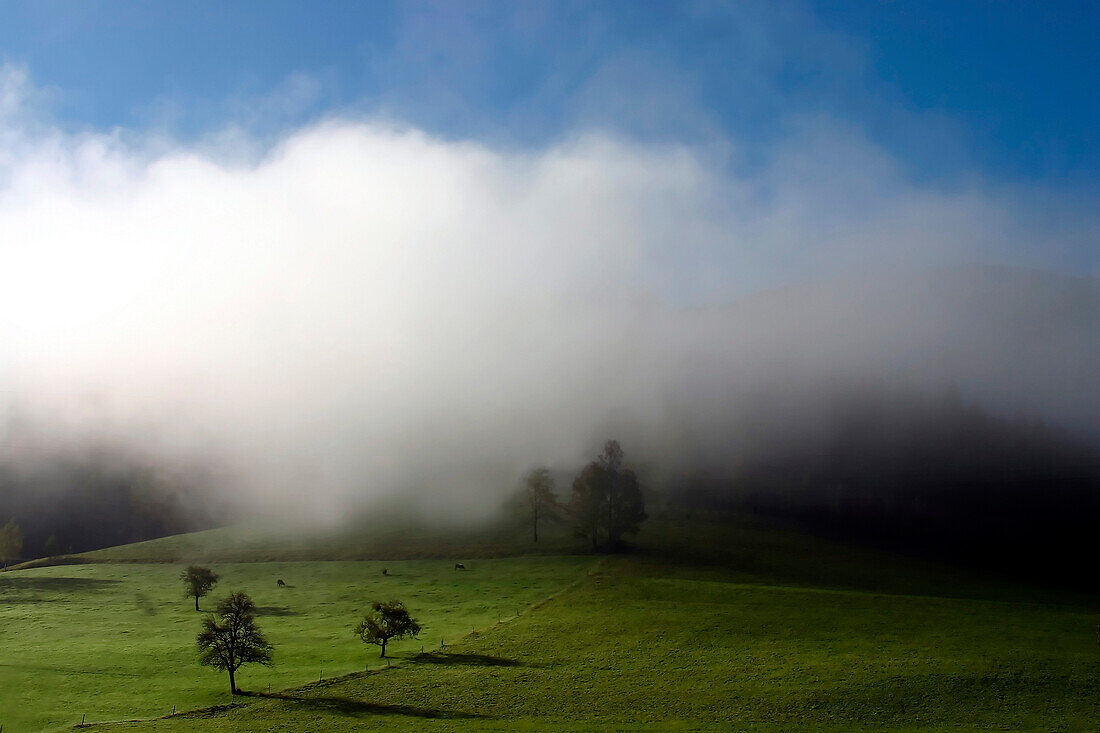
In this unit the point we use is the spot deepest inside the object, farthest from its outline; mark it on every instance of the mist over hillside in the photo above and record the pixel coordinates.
(356, 310)
(959, 402)
(88, 498)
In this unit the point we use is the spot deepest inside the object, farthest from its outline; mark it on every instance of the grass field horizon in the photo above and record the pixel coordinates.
(770, 628)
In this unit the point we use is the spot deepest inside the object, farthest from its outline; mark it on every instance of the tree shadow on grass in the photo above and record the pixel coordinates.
(276, 611)
(30, 590)
(25, 666)
(348, 706)
(55, 584)
(471, 660)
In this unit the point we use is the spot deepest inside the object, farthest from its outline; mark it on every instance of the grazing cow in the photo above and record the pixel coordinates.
(281, 583)
(459, 566)
(385, 572)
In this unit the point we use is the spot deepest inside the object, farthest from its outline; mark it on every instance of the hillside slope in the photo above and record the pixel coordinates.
(644, 644)
(706, 624)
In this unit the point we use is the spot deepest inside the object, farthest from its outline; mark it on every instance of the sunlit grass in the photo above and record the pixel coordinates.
(706, 624)
(636, 647)
(118, 641)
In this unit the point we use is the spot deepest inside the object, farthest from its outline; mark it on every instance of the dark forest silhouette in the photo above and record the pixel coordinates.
(77, 502)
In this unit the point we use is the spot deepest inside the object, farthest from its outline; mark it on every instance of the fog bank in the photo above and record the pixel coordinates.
(363, 309)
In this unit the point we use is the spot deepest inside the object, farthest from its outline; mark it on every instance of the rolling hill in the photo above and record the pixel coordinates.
(708, 623)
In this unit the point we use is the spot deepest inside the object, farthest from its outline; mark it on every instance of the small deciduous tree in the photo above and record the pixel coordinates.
(230, 638)
(541, 501)
(197, 582)
(11, 542)
(386, 621)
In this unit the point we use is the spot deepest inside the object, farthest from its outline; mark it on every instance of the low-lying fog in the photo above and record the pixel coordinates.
(360, 309)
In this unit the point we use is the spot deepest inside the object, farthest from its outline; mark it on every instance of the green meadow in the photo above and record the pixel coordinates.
(706, 625)
(110, 641)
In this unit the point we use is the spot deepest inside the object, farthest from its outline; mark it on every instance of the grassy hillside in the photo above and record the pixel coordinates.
(373, 538)
(637, 646)
(118, 640)
(707, 624)
(748, 549)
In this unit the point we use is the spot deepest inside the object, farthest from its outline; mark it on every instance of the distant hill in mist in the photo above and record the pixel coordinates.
(955, 412)
(927, 472)
(951, 411)
(92, 499)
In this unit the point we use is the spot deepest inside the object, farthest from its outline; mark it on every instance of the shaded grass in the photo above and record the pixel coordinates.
(476, 660)
(761, 551)
(15, 589)
(334, 705)
(751, 549)
(373, 538)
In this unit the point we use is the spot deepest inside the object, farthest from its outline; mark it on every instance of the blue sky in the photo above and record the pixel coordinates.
(1004, 90)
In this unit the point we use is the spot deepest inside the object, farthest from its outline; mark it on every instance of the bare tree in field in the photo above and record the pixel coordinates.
(386, 621)
(541, 500)
(197, 582)
(229, 638)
